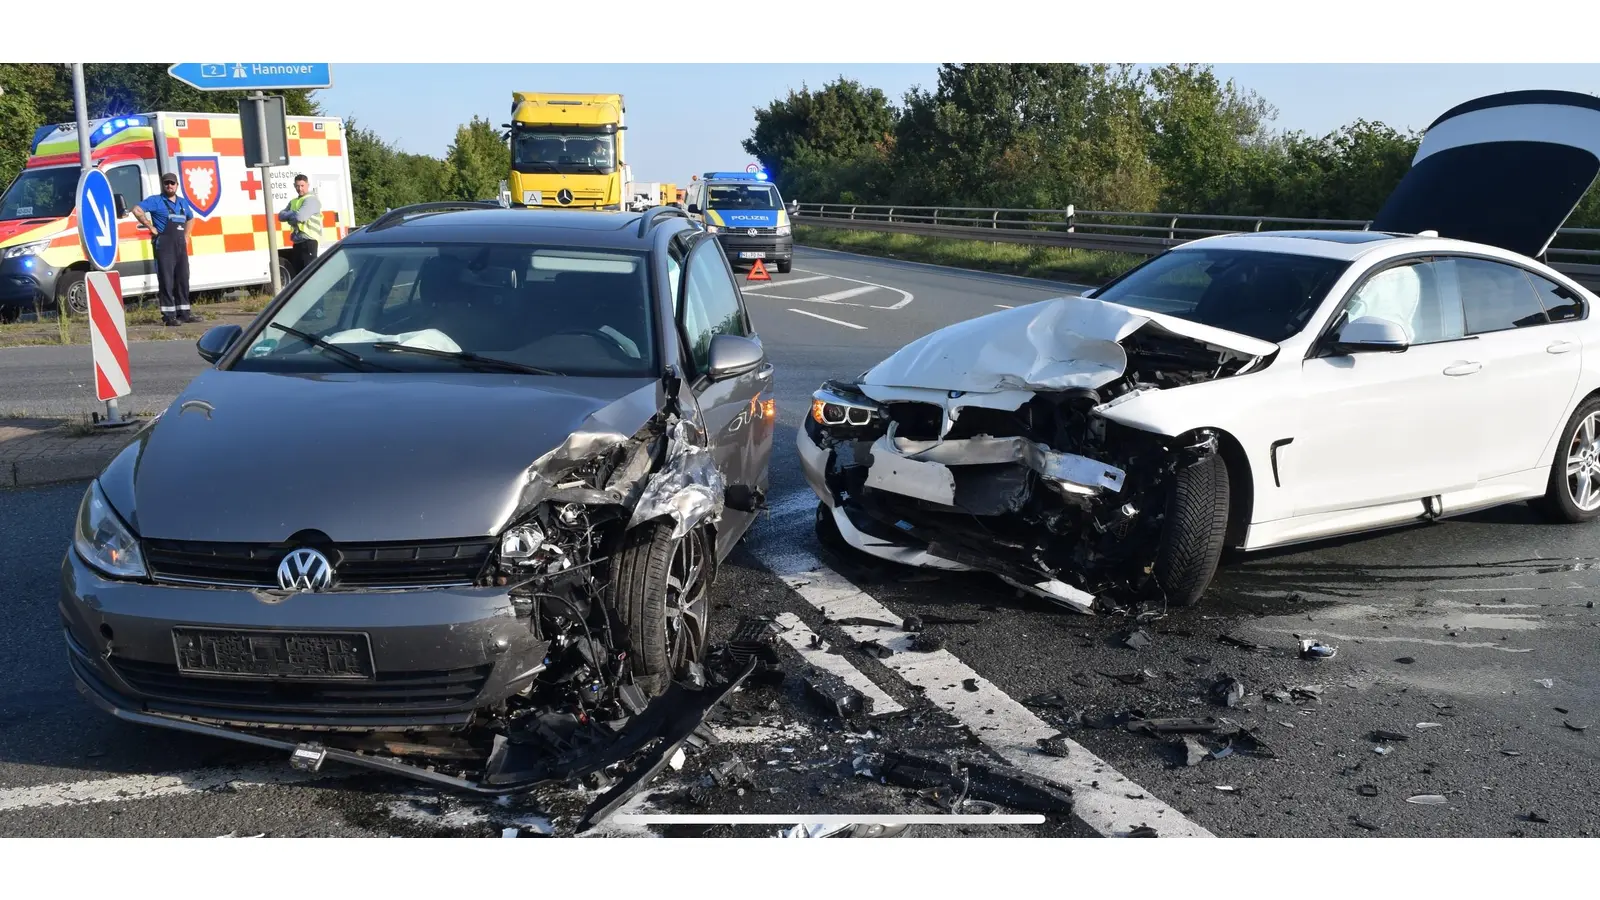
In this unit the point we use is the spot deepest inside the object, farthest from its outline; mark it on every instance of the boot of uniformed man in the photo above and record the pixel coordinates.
(169, 215)
(304, 215)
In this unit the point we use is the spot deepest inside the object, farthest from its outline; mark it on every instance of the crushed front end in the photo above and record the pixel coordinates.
(1027, 479)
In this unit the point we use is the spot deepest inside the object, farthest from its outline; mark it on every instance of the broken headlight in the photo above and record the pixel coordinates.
(834, 409)
(519, 545)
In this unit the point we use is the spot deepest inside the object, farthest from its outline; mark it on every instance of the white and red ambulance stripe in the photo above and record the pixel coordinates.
(108, 335)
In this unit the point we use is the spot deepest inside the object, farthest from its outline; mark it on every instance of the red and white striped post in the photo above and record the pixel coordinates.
(108, 337)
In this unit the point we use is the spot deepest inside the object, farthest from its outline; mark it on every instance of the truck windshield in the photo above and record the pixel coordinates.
(456, 307)
(566, 152)
(743, 196)
(40, 194)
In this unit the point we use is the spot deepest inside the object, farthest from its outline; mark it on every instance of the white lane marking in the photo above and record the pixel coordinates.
(846, 294)
(1003, 306)
(1003, 724)
(798, 636)
(759, 286)
(826, 319)
(905, 296)
(145, 787)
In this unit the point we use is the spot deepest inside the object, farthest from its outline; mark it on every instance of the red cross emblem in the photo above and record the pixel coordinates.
(251, 183)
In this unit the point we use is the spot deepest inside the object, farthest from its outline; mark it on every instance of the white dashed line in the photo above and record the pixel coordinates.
(798, 636)
(905, 296)
(785, 283)
(826, 319)
(146, 787)
(837, 296)
(1104, 799)
(1003, 306)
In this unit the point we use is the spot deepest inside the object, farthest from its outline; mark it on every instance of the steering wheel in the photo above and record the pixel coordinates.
(613, 347)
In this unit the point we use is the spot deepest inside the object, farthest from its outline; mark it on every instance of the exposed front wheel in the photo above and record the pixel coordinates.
(1193, 533)
(659, 592)
(1573, 492)
(784, 265)
(72, 288)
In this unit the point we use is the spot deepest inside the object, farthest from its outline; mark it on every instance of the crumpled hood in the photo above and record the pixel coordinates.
(1053, 345)
(257, 457)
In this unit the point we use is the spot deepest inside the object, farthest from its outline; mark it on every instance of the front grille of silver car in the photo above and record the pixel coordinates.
(373, 566)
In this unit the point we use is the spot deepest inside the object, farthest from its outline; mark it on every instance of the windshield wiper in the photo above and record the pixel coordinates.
(464, 356)
(354, 359)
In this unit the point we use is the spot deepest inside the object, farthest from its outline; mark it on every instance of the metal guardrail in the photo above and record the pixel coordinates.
(1137, 233)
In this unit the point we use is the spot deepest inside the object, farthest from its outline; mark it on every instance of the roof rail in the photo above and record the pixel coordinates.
(650, 216)
(401, 212)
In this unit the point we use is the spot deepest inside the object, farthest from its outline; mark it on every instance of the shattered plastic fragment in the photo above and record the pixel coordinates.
(1056, 745)
(971, 684)
(1575, 727)
(1195, 752)
(1428, 799)
(1382, 735)
(1136, 639)
(1429, 725)
(923, 642)
(1226, 788)
(1227, 690)
(1143, 831)
(1546, 682)
(1381, 750)
(1405, 660)
(1367, 790)
(911, 623)
(1317, 650)
(1535, 817)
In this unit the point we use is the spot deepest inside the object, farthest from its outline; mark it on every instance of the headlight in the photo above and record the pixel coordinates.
(712, 229)
(103, 541)
(30, 249)
(829, 408)
(783, 229)
(521, 543)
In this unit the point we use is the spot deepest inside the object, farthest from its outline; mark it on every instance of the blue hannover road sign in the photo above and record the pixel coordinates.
(238, 76)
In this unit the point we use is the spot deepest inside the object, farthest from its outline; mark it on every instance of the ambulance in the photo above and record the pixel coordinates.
(41, 261)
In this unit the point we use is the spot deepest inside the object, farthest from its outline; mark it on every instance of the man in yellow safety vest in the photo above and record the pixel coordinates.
(304, 214)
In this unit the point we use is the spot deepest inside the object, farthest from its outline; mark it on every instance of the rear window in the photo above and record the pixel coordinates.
(572, 312)
(1268, 296)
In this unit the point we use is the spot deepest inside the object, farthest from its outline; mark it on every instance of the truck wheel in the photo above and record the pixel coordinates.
(1573, 492)
(73, 289)
(784, 265)
(658, 590)
(1193, 533)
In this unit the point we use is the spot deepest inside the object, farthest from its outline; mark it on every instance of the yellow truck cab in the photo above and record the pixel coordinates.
(566, 151)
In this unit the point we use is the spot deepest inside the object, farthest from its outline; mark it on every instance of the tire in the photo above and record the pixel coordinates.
(73, 287)
(1193, 535)
(784, 265)
(9, 314)
(1558, 503)
(645, 594)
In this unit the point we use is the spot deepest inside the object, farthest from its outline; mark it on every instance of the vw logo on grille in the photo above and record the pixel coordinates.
(305, 570)
(751, 232)
(563, 196)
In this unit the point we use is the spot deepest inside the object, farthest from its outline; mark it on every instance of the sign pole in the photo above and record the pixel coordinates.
(266, 192)
(81, 104)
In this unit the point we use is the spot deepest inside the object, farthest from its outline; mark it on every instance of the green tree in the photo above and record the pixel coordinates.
(1202, 134)
(827, 142)
(20, 86)
(478, 161)
(384, 177)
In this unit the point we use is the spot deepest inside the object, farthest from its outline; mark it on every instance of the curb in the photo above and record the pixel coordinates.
(63, 468)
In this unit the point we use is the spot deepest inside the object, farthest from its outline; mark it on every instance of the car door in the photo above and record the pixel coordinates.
(135, 258)
(1385, 427)
(1531, 364)
(733, 409)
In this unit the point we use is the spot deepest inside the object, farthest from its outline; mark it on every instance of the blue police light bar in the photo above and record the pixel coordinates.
(736, 176)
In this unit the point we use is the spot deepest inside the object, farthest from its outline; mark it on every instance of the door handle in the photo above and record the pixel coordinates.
(1463, 368)
(1561, 346)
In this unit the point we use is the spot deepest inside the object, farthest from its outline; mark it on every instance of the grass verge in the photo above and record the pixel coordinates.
(1052, 263)
(143, 323)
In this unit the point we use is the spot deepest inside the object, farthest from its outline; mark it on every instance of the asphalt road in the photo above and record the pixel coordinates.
(1489, 609)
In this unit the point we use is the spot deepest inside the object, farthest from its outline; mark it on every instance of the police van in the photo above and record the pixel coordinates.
(747, 214)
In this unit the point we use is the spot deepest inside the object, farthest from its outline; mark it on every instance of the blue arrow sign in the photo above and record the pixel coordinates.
(97, 219)
(238, 76)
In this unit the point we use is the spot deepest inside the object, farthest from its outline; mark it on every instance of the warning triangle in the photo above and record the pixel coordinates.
(758, 272)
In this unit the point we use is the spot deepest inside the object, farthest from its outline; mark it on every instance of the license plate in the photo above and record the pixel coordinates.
(752, 254)
(272, 654)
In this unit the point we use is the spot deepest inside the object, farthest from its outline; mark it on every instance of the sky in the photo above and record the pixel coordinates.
(689, 118)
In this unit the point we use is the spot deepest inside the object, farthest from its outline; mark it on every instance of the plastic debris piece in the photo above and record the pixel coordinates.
(1195, 752)
(861, 620)
(1381, 750)
(982, 780)
(1277, 696)
(1546, 682)
(1136, 639)
(677, 759)
(1405, 660)
(1227, 690)
(1441, 705)
(1131, 678)
(1287, 725)
(834, 695)
(1207, 725)
(1366, 825)
(1428, 799)
(1317, 650)
(1306, 693)
(1143, 831)
(971, 684)
(1574, 727)
(875, 649)
(1560, 710)
(1382, 735)
(1056, 745)
(923, 642)
(731, 773)
(1535, 817)
(1429, 725)
(510, 832)
(1197, 660)
(911, 623)
(1225, 788)
(1367, 790)
(1223, 753)
(1512, 752)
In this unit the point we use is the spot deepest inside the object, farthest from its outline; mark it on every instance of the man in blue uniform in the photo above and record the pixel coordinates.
(169, 216)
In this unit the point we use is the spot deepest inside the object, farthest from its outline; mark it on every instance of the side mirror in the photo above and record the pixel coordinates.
(216, 341)
(694, 208)
(122, 206)
(1370, 334)
(732, 355)
(794, 207)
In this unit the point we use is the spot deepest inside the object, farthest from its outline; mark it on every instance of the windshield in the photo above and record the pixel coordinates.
(742, 196)
(1268, 296)
(40, 194)
(569, 152)
(573, 312)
